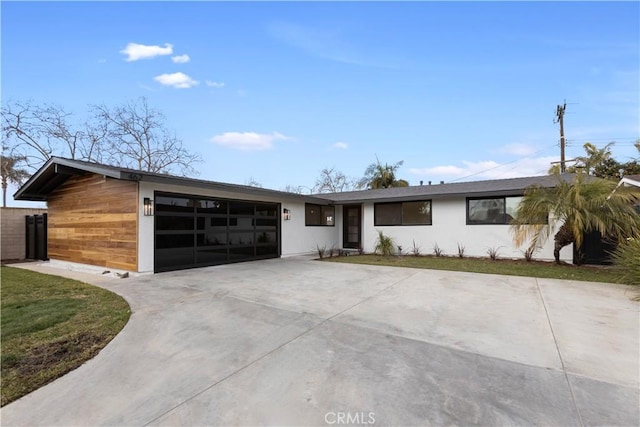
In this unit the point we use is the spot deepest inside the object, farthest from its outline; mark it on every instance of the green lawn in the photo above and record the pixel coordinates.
(499, 266)
(51, 325)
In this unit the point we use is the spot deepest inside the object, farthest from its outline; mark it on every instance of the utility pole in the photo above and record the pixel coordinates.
(560, 119)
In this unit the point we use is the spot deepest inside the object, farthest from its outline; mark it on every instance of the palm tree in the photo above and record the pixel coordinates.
(10, 173)
(379, 176)
(594, 157)
(586, 204)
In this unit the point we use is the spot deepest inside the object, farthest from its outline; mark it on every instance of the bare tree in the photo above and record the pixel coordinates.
(54, 124)
(37, 132)
(252, 182)
(137, 138)
(23, 131)
(333, 181)
(132, 135)
(296, 189)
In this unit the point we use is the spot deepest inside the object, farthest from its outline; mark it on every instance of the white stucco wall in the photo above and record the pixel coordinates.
(296, 238)
(449, 228)
(299, 239)
(448, 216)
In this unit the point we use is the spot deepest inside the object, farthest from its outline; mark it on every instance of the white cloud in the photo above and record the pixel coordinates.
(489, 169)
(214, 84)
(180, 59)
(135, 51)
(249, 141)
(177, 80)
(341, 145)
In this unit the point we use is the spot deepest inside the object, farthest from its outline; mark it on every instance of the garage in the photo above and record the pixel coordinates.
(126, 220)
(195, 231)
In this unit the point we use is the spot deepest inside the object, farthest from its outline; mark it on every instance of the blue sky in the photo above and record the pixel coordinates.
(278, 91)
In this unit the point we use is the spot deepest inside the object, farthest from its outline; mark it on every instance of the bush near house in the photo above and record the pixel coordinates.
(384, 245)
(627, 258)
(50, 326)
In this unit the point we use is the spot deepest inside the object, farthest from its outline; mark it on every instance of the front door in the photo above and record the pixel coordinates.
(352, 227)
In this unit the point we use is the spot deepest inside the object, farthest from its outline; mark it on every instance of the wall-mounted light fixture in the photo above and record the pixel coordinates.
(148, 207)
(286, 214)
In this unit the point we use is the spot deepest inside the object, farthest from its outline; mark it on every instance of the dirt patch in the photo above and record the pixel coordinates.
(84, 345)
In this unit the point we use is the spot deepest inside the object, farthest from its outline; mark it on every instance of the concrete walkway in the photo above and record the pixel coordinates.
(299, 342)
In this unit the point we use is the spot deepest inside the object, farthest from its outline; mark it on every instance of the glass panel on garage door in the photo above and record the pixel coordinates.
(192, 231)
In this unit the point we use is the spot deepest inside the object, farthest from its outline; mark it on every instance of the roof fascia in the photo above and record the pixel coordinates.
(418, 197)
(188, 182)
(22, 190)
(57, 165)
(92, 168)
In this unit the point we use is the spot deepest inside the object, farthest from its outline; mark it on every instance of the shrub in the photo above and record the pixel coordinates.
(437, 250)
(493, 252)
(415, 250)
(321, 251)
(460, 251)
(627, 258)
(384, 244)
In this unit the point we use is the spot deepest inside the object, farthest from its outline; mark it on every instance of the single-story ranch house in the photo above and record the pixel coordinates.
(118, 218)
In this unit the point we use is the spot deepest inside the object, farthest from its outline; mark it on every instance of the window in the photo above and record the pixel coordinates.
(511, 207)
(406, 213)
(486, 211)
(388, 214)
(416, 213)
(320, 215)
(498, 210)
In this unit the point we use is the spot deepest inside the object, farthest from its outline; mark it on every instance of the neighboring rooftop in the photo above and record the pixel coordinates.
(631, 180)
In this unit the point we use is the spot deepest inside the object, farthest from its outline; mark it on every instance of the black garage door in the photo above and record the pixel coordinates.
(197, 231)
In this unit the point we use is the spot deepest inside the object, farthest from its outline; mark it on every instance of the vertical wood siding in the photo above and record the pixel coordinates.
(94, 220)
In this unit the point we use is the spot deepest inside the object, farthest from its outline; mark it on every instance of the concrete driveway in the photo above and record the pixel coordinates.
(299, 342)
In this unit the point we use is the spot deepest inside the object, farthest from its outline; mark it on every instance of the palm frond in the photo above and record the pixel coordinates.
(582, 205)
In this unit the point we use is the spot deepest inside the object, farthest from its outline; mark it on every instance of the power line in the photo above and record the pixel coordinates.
(611, 138)
(562, 161)
(503, 164)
